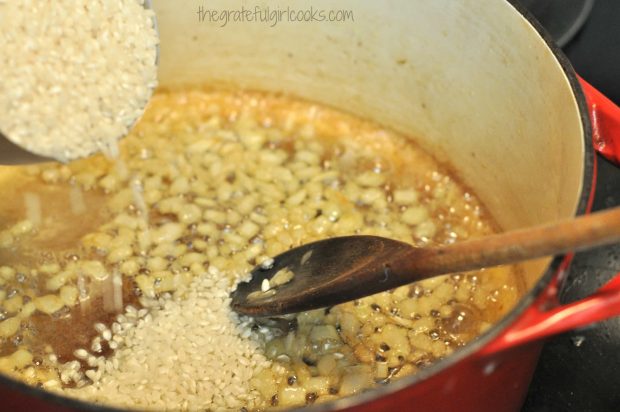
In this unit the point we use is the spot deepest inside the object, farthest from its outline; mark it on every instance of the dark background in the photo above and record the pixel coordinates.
(580, 370)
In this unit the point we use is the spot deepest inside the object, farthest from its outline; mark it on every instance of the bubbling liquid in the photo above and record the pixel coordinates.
(208, 185)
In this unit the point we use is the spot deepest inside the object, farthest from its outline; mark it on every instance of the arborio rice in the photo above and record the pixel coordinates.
(207, 186)
(205, 356)
(76, 74)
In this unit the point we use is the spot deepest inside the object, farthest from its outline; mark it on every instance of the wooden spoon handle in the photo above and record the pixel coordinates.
(556, 238)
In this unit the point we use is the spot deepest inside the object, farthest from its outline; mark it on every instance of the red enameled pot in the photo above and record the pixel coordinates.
(480, 85)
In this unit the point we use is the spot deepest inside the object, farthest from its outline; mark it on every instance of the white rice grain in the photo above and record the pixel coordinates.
(195, 368)
(76, 73)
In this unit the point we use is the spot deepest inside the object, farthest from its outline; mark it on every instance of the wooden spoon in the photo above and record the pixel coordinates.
(336, 270)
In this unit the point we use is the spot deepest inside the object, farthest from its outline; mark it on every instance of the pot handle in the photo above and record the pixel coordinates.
(544, 318)
(538, 322)
(605, 117)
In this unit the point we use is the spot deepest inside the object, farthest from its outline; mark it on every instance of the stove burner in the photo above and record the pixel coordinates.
(561, 18)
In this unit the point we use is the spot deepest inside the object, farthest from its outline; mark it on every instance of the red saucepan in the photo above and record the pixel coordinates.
(479, 84)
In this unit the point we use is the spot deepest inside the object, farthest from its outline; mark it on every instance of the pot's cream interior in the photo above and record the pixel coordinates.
(470, 80)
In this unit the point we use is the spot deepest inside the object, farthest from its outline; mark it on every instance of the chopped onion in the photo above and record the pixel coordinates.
(264, 287)
(138, 197)
(121, 169)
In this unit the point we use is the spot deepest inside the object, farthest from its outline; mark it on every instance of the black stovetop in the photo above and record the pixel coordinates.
(580, 370)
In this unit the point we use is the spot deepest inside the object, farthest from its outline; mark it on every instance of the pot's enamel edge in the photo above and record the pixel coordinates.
(543, 285)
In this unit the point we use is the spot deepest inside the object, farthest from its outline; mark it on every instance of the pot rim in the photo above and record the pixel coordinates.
(471, 348)
(552, 270)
